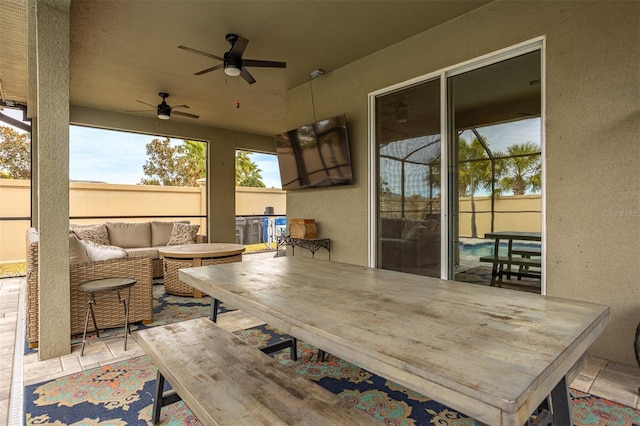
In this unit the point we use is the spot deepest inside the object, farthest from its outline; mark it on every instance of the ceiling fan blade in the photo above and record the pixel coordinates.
(142, 110)
(188, 49)
(184, 114)
(247, 76)
(238, 47)
(257, 63)
(146, 103)
(209, 69)
(180, 106)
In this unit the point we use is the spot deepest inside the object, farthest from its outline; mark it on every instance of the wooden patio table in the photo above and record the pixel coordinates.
(491, 353)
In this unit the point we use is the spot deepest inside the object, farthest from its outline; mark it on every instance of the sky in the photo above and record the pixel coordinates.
(117, 157)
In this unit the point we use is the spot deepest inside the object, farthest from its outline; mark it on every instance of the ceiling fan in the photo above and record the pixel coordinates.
(164, 110)
(232, 62)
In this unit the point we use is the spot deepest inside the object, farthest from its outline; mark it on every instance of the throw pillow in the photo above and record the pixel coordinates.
(94, 233)
(77, 251)
(183, 233)
(97, 252)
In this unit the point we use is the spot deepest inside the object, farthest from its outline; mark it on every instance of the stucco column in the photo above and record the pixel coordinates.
(52, 58)
(221, 192)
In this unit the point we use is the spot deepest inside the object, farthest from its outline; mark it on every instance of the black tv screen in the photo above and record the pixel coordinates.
(315, 155)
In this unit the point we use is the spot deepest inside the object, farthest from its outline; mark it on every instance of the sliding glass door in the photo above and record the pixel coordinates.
(496, 171)
(490, 115)
(408, 152)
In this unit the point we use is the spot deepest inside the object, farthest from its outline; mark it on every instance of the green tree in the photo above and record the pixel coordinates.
(247, 172)
(184, 164)
(15, 154)
(474, 173)
(196, 155)
(522, 169)
(167, 165)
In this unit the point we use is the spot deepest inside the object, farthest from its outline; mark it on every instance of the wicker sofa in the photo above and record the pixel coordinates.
(109, 312)
(138, 239)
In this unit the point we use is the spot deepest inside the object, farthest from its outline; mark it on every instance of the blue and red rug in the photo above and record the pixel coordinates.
(120, 394)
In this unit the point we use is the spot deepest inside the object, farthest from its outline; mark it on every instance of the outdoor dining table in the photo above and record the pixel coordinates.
(491, 353)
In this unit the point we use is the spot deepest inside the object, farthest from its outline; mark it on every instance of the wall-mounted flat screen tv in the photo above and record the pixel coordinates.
(315, 155)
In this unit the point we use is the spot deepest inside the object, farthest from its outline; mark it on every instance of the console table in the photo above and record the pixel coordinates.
(311, 244)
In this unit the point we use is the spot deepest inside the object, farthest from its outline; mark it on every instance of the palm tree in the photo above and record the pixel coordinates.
(247, 172)
(474, 172)
(522, 169)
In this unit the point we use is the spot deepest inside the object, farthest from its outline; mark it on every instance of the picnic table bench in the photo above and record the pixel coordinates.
(527, 260)
(225, 381)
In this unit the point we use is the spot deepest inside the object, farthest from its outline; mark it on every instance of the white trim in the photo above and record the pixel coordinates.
(494, 57)
(372, 170)
(543, 146)
(444, 178)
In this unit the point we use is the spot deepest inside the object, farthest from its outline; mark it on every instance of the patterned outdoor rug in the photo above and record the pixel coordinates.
(120, 394)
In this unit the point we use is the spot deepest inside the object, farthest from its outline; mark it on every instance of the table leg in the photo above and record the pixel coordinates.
(497, 268)
(561, 404)
(197, 261)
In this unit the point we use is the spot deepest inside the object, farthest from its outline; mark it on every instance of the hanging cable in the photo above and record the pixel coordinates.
(314, 74)
(313, 104)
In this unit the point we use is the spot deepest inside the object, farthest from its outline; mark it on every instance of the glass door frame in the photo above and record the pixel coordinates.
(538, 43)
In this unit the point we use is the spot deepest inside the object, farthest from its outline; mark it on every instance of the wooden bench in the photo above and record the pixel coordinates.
(502, 266)
(225, 381)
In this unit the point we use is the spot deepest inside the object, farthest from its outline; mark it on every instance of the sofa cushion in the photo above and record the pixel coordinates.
(161, 232)
(183, 233)
(77, 251)
(151, 252)
(129, 234)
(95, 233)
(97, 252)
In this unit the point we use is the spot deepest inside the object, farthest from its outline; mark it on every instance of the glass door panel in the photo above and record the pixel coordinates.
(408, 155)
(495, 172)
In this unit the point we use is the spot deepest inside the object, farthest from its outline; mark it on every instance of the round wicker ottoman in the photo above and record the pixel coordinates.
(186, 256)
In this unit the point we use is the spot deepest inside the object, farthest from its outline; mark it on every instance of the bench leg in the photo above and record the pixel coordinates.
(213, 311)
(157, 398)
(292, 344)
(160, 399)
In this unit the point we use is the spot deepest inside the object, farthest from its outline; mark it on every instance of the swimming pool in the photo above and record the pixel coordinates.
(479, 247)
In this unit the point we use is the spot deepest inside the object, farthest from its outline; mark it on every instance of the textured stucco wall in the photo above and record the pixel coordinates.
(52, 26)
(591, 151)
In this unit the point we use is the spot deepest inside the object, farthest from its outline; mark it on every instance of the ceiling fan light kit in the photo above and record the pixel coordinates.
(232, 71)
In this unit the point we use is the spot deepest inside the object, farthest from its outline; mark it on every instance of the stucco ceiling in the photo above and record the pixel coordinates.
(123, 51)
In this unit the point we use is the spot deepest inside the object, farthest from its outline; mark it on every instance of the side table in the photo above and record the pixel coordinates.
(100, 286)
(311, 244)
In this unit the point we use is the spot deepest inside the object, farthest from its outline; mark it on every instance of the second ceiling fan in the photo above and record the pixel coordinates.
(232, 61)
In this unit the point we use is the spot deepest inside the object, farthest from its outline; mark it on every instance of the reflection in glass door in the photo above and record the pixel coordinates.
(496, 168)
(408, 155)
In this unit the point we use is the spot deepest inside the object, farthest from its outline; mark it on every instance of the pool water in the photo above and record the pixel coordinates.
(485, 248)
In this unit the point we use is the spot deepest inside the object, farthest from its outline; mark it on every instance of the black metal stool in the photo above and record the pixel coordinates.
(107, 284)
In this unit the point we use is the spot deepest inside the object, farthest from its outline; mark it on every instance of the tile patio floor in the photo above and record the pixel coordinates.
(599, 377)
